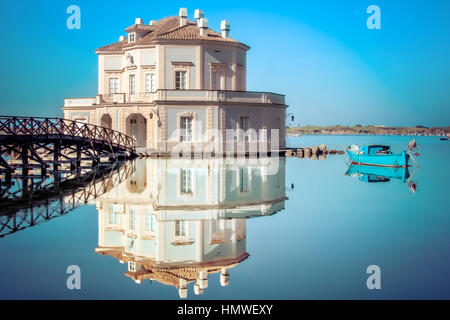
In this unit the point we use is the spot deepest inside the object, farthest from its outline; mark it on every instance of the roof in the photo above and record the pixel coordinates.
(167, 29)
(140, 28)
(171, 274)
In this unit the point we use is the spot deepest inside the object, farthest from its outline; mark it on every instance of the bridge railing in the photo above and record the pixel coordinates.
(39, 126)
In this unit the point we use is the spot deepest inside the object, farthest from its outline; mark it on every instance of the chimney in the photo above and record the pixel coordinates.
(225, 28)
(138, 21)
(122, 38)
(153, 22)
(198, 15)
(183, 16)
(203, 24)
(197, 290)
(182, 289)
(224, 277)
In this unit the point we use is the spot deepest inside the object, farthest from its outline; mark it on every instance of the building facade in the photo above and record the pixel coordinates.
(176, 82)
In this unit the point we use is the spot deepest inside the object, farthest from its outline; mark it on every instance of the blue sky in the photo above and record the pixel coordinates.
(332, 68)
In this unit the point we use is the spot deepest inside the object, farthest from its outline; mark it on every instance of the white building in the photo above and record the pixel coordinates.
(177, 82)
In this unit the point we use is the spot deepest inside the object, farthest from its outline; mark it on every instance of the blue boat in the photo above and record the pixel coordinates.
(377, 173)
(377, 155)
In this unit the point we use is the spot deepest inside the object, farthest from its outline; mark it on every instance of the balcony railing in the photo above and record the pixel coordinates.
(169, 95)
(218, 96)
(79, 102)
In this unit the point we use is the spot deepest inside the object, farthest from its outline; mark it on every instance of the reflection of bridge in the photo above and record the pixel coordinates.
(29, 144)
(52, 200)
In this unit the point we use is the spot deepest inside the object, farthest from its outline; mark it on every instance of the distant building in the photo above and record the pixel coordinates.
(175, 81)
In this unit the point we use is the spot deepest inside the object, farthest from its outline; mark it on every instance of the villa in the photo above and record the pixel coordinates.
(175, 82)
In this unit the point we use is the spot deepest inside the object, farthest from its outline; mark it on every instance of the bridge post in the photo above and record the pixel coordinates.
(4, 163)
(24, 156)
(8, 176)
(56, 147)
(78, 164)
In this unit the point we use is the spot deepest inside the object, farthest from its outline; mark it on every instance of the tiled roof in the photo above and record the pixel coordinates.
(168, 29)
(140, 27)
(114, 47)
(170, 275)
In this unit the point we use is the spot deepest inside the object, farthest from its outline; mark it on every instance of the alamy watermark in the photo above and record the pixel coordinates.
(233, 143)
(74, 280)
(374, 20)
(374, 280)
(74, 20)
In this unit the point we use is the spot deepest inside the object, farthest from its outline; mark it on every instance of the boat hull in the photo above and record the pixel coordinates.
(382, 160)
(372, 173)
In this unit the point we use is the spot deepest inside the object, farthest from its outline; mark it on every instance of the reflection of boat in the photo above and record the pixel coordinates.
(378, 174)
(180, 221)
(377, 155)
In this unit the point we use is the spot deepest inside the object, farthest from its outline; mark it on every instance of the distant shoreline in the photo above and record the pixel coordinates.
(368, 131)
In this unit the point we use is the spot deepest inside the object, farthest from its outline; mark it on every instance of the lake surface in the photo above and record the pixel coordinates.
(212, 229)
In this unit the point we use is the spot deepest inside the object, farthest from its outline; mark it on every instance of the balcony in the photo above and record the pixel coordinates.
(79, 102)
(218, 96)
(169, 95)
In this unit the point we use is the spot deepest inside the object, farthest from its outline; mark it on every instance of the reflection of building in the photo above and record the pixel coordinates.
(178, 221)
(175, 80)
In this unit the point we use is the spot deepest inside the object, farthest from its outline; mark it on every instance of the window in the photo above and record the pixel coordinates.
(132, 84)
(180, 80)
(217, 225)
(244, 128)
(113, 217)
(131, 37)
(263, 134)
(217, 231)
(241, 79)
(132, 219)
(113, 86)
(130, 244)
(186, 129)
(181, 228)
(243, 180)
(132, 266)
(216, 80)
(244, 123)
(150, 222)
(150, 83)
(186, 182)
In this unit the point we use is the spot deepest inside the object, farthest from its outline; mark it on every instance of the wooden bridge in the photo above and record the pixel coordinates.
(56, 146)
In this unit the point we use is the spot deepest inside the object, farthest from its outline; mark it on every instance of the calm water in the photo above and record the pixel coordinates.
(173, 219)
